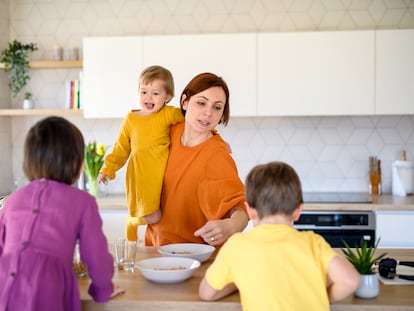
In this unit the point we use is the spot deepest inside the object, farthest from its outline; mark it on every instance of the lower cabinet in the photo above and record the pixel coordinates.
(395, 228)
(114, 225)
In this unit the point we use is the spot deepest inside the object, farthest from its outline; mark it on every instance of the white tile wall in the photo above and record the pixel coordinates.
(330, 153)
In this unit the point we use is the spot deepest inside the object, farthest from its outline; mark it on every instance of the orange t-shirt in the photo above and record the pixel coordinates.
(201, 183)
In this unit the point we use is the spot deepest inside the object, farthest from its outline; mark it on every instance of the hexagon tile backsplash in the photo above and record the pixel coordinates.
(329, 153)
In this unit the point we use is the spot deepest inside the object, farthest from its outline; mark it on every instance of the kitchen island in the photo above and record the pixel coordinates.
(144, 295)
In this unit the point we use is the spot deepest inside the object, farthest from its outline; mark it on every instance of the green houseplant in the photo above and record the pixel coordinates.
(16, 63)
(27, 102)
(363, 259)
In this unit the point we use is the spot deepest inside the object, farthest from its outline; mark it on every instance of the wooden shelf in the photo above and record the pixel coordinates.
(45, 64)
(40, 112)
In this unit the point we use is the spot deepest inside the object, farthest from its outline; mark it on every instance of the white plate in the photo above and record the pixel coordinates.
(200, 252)
(168, 269)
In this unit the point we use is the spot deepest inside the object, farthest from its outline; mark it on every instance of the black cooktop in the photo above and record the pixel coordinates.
(336, 197)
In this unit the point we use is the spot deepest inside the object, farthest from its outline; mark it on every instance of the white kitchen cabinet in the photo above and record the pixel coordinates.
(316, 73)
(114, 221)
(112, 66)
(395, 71)
(395, 228)
(231, 56)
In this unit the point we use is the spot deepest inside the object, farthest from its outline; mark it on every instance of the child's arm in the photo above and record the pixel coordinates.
(206, 292)
(342, 277)
(120, 152)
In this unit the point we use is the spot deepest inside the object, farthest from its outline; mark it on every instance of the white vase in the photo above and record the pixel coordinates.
(27, 104)
(369, 287)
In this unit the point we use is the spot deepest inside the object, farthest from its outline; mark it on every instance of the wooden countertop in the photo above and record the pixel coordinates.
(143, 294)
(379, 203)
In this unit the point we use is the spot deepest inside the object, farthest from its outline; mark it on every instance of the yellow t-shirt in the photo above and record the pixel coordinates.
(275, 267)
(144, 141)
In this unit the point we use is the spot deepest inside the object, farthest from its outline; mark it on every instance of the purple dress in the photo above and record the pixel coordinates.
(39, 226)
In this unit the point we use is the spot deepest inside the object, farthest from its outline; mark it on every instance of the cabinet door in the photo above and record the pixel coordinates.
(114, 222)
(395, 72)
(232, 56)
(395, 228)
(112, 66)
(316, 73)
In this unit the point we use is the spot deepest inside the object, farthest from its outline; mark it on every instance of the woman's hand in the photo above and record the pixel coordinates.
(216, 232)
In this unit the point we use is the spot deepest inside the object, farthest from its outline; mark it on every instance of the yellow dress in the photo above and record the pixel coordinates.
(144, 141)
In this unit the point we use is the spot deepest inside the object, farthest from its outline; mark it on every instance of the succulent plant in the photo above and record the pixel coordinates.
(363, 258)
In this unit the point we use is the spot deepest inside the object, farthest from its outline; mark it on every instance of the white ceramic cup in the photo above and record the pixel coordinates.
(57, 53)
(125, 254)
(73, 53)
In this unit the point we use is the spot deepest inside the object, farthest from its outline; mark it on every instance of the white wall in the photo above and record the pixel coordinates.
(330, 153)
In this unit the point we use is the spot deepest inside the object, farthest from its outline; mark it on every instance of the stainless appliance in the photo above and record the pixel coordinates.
(353, 227)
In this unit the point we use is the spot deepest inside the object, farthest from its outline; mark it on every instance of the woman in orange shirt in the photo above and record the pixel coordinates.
(203, 197)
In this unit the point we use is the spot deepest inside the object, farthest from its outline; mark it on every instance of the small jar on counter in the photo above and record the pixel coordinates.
(79, 268)
(375, 179)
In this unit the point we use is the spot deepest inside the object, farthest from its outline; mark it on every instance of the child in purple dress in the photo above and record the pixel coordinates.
(41, 222)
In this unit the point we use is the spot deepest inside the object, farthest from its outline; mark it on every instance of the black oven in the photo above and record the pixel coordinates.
(353, 227)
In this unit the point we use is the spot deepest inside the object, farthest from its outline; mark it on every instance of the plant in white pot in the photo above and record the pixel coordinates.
(16, 63)
(27, 102)
(363, 259)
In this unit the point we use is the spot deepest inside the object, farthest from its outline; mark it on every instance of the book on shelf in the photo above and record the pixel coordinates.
(73, 93)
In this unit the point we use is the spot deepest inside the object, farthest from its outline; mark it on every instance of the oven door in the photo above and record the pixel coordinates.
(352, 237)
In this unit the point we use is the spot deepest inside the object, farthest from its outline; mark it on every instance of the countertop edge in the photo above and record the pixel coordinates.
(379, 203)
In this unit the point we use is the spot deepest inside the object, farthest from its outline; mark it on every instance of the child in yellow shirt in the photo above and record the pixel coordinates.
(275, 266)
(144, 140)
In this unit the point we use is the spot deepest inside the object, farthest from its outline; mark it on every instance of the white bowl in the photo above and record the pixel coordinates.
(168, 269)
(200, 252)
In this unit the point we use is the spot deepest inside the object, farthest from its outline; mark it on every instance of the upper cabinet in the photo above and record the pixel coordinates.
(231, 56)
(395, 72)
(112, 67)
(110, 75)
(316, 73)
(322, 73)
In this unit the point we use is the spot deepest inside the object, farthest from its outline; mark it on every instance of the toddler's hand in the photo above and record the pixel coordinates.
(102, 178)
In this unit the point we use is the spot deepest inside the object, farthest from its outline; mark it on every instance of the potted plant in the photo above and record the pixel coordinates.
(27, 102)
(363, 259)
(16, 62)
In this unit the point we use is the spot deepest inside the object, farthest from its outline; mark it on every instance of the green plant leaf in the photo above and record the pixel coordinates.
(16, 64)
(363, 258)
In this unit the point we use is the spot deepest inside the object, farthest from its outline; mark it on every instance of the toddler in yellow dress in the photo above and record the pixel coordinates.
(144, 139)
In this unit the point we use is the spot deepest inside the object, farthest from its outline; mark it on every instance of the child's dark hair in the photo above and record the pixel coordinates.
(54, 149)
(273, 188)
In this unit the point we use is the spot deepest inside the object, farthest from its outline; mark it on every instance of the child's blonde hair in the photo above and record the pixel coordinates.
(152, 73)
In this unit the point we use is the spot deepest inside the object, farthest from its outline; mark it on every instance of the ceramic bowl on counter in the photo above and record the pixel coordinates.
(200, 252)
(168, 269)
